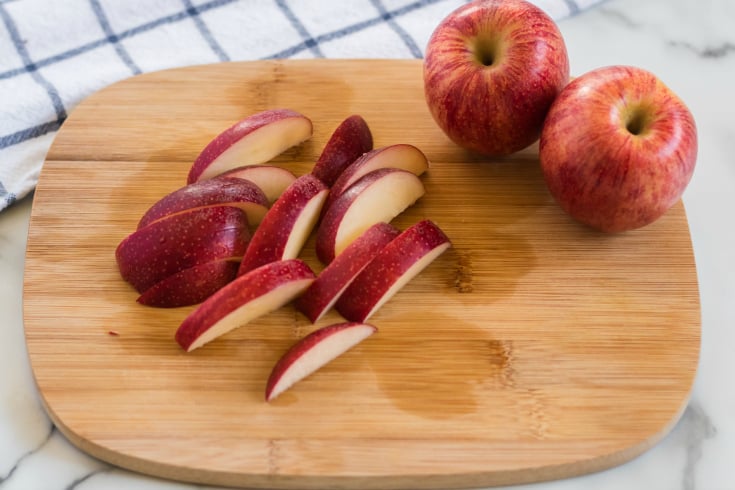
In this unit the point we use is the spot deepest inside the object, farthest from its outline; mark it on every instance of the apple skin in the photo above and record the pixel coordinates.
(246, 298)
(220, 191)
(312, 352)
(273, 131)
(403, 156)
(349, 140)
(394, 266)
(379, 196)
(271, 179)
(491, 71)
(287, 224)
(180, 241)
(191, 286)
(334, 279)
(618, 148)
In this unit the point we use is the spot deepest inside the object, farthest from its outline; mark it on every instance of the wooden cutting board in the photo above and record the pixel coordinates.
(533, 349)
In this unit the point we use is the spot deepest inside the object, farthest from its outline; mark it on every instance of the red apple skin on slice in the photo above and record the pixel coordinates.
(377, 197)
(312, 352)
(254, 140)
(394, 266)
(403, 156)
(220, 191)
(180, 241)
(334, 279)
(349, 140)
(287, 224)
(246, 298)
(191, 286)
(272, 180)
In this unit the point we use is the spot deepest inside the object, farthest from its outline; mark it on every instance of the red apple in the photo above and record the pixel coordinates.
(351, 139)
(272, 180)
(391, 269)
(491, 71)
(287, 225)
(334, 279)
(618, 148)
(403, 156)
(377, 197)
(254, 140)
(248, 297)
(230, 191)
(180, 241)
(191, 286)
(312, 352)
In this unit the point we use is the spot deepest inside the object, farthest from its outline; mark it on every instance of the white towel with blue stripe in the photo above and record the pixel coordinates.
(53, 54)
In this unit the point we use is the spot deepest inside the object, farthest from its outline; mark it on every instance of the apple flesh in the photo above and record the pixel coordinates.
(379, 196)
(180, 241)
(334, 279)
(272, 180)
(391, 269)
(491, 71)
(246, 298)
(191, 286)
(254, 140)
(312, 352)
(351, 139)
(287, 225)
(618, 148)
(403, 156)
(241, 193)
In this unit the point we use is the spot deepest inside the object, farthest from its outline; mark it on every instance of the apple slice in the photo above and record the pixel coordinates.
(248, 297)
(191, 286)
(287, 224)
(351, 139)
(272, 180)
(377, 197)
(180, 241)
(403, 156)
(334, 279)
(312, 352)
(254, 140)
(220, 191)
(391, 269)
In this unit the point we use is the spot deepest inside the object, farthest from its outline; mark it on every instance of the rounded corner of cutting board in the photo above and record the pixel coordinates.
(512, 263)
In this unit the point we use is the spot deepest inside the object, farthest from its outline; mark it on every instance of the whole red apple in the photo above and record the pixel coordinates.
(491, 71)
(618, 148)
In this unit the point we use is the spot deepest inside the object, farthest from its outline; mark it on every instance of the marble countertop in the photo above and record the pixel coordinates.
(691, 47)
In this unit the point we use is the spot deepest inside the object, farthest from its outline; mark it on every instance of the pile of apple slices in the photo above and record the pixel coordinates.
(231, 238)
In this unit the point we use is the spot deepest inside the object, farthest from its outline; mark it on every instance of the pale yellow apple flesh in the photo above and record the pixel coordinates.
(260, 146)
(255, 308)
(382, 201)
(304, 225)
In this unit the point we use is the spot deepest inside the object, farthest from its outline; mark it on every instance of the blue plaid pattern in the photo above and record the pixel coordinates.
(54, 54)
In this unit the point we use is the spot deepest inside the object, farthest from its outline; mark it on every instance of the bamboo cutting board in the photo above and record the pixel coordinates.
(533, 349)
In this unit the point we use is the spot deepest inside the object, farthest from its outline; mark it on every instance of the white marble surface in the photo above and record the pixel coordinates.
(691, 46)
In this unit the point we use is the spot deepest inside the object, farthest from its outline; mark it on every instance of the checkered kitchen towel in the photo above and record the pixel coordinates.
(54, 53)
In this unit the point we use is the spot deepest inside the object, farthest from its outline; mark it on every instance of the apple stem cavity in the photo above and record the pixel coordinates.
(636, 120)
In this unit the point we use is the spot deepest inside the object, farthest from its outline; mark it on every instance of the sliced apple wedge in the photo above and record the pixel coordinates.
(272, 180)
(240, 193)
(287, 224)
(391, 269)
(349, 140)
(254, 140)
(191, 286)
(334, 279)
(403, 156)
(312, 352)
(180, 241)
(248, 297)
(377, 197)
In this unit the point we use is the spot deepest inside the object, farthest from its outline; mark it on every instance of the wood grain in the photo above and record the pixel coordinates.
(533, 349)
